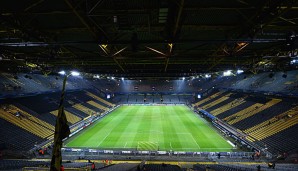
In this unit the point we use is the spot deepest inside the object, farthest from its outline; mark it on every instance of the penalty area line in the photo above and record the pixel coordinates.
(103, 139)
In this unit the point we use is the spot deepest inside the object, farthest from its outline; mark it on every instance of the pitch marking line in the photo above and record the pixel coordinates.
(195, 141)
(218, 148)
(171, 145)
(80, 133)
(103, 139)
(125, 144)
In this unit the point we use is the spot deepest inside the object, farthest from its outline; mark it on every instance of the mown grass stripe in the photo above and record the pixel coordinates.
(174, 128)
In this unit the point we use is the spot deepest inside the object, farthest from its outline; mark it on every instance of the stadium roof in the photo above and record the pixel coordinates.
(155, 37)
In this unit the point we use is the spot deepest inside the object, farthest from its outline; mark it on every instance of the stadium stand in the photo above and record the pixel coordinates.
(200, 102)
(37, 115)
(133, 99)
(120, 166)
(100, 99)
(97, 105)
(264, 84)
(150, 85)
(17, 164)
(283, 141)
(217, 167)
(17, 138)
(79, 113)
(215, 102)
(256, 116)
(266, 120)
(25, 122)
(83, 109)
(70, 117)
(248, 112)
(227, 106)
(162, 167)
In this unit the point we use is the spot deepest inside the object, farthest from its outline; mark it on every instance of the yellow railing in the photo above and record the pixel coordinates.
(100, 99)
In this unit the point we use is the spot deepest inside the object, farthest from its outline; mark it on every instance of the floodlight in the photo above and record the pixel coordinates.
(74, 73)
(239, 71)
(61, 72)
(294, 61)
(122, 78)
(207, 76)
(227, 73)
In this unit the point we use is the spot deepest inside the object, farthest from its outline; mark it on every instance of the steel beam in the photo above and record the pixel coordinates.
(82, 20)
(173, 35)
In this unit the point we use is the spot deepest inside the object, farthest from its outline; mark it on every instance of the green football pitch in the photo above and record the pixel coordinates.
(163, 128)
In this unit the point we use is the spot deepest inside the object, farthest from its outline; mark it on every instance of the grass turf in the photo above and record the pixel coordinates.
(161, 128)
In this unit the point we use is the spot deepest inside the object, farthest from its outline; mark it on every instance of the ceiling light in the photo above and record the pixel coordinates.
(74, 73)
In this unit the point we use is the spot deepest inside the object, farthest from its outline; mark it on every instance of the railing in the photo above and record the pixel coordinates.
(93, 153)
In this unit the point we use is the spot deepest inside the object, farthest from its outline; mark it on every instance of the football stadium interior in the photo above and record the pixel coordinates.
(155, 85)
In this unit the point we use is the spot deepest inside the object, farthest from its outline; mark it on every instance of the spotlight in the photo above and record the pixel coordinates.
(239, 71)
(61, 72)
(207, 76)
(74, 73)
(227, 73)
